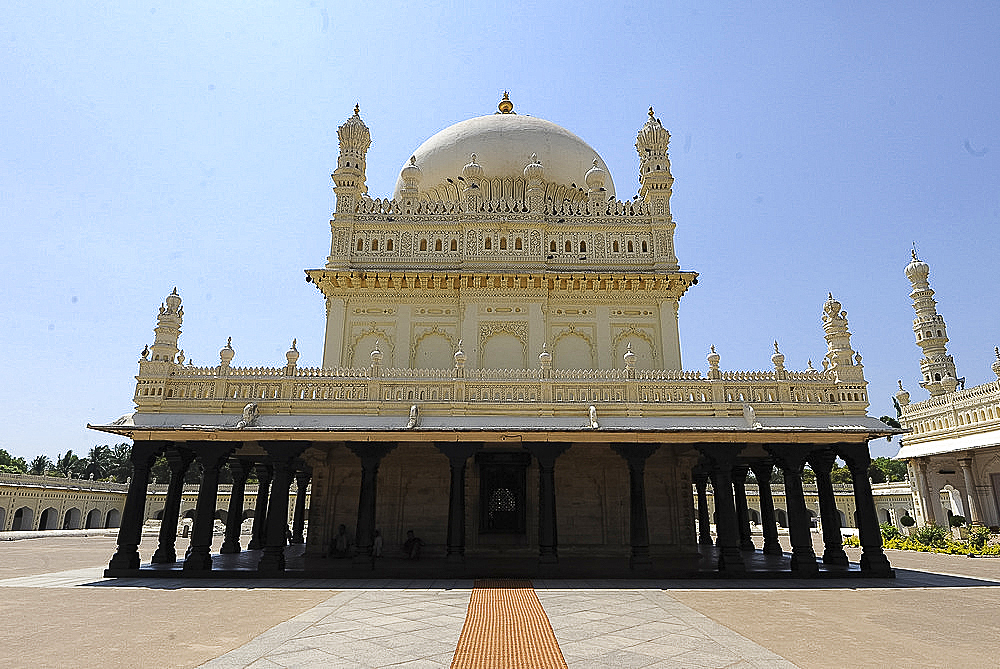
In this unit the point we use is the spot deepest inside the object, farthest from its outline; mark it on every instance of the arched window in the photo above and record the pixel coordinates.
(361, 245)
(518, 245)
(552, 247)
(503, 243)
(488, 244)
(568, 246)
(614, 247)
(630, 248)
(423, 244)
(454, 245)
(437, 245)
(374, 245)
(583, 247)
(388, 245)
(644, 247)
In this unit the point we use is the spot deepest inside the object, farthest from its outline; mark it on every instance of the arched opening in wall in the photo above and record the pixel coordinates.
(388, 245)
(247, 513)
(361, 245)
(72, 518)
(503, 243)
(93, 519)
(454, 245)
(503, 351)
(583, 247)
(114, 518)
(22, 520)
(158, 515)
(518, 244)
(221, 514)
(781, 517)
(433, 352)
(488, 244)
(374, 245)
(189, 514)
(437, 245)
(49, 520)
(614, 247)
(645, 248)
(423, 244)
(572, 351)
(568, 247)
(631, 249)
(888, 515)
(754, 516)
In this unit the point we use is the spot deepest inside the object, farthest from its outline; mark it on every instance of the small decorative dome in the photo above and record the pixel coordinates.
(505, 106)
(996, 363)
(376, 356)
(902, 396)
(595, 177)
(411, 174)
(473, 171)
(460, 356)
(173, 301)
(917, 271)
(713, 357)
(534, 171)
(292, 355)
(949, 383)
(832, 307)
(653, 139)
(778, 359)
(227, 353)
(354, 134)
(545, 358)
(629, 357)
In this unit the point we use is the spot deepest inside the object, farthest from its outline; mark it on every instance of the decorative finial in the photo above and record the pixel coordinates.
(900, 382)
(357, 109)
(413, 160)
(294, 341)
(650, 113)
(712, 348)
(506, 106)
(776, 346)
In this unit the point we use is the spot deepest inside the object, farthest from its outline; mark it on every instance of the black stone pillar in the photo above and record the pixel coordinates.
(821, 462)
(700, 476)
(742, 510)
(873, 559)
(133, 515)
(720, 461)
(299, 519)
(179, 460)
(548, 539)
(792, 459)
(259, 528)
(762, 472)
(370, 454)
(213, 456)
(636, 455)
(281, 457)
(458, 455)
(239, 467)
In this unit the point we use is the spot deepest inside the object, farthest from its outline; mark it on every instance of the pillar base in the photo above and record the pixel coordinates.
(255, 545)
(198, 560)
(731, 562)
(164, 556)
(125, 558)
(549, 558)
(747, 546)
(771, 548)
(804, 562)
(229, 547)
(272, 562)
(835, 556)
(876, 564)
(455, 558)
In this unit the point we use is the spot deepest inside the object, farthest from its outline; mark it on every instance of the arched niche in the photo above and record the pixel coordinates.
(433, 350)
(504, 351)
(572, 350)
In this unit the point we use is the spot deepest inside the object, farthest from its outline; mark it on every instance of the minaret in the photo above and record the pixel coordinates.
(656, 186)
(937, 367)
(349, 187)
(168, 329)
(841, 357)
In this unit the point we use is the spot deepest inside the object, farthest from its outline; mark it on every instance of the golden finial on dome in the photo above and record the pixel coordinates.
(650, 112)
(357, 109)
(506, 106)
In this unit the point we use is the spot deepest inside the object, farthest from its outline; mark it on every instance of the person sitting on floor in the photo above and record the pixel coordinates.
(340, 547)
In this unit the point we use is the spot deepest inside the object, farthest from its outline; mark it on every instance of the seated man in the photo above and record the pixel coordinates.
(340, 546)
(412, 545)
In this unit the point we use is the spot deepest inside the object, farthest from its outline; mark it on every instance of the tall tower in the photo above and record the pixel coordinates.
(168, 329)
(656, 186)
(937, 367)
(349, 186)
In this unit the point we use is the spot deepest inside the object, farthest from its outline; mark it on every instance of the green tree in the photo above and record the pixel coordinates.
(121, 462)
(8, 463)
(841, 474)
(97, 464)
(40, 465)
(894, 470)
(67, 465)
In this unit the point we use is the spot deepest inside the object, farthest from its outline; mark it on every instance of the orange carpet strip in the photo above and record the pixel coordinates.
(506, 628)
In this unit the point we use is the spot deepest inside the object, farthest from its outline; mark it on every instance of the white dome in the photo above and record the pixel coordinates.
(503, 144)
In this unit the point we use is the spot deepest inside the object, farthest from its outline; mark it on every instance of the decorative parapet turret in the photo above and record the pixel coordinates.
(472, 175)
(534, 175)
(996, 363)
(226, 355)
(902, 396)
(778, 360)
(656, 187)
(841, 358)
(937, 367)
(411, 185)
(713, 364)
(292, 358)
(355, 139)
(596, 194)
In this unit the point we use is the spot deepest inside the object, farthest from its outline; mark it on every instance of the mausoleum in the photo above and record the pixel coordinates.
(502, 375)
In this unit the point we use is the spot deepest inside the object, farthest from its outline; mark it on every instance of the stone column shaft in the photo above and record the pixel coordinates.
(130, 530)
(280, 456)
(704, 518)
(299, 519)
(873, 559)
(371, 455)
(213, 456)
(975, 517)
(179, 461)
(548, 540)
(258, 529)
(742, 509)
(762, 472)
(833, 544)
(791, 460)
(458, 457)
(636, 455)
(234, 518)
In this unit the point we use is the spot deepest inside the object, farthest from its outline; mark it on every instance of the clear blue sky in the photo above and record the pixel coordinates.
(145, 146)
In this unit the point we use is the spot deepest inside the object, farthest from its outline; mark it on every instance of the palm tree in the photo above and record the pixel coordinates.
(98, 463)
(121, 462)
(40, 465)
(68, 464)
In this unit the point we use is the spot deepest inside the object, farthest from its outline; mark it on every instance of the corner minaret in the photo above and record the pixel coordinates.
(840, 357)
(656, 187)
(168, 329)
(937, 367)
(355, 138)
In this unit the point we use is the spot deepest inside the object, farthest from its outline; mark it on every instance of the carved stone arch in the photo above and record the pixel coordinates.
(438, 361)
(565, 357)
(619, 344)
(993, 464)
(365, 361)
(503, 344)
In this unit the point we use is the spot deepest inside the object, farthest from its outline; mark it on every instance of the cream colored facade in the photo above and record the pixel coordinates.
(953, 450)
(503, 319)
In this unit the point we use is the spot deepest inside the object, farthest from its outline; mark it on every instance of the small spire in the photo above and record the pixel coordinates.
(651, 113)
(357, 109)
(776, 346)
(506, 106)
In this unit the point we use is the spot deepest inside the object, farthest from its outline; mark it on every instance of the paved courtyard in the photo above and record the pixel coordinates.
(940, 611)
